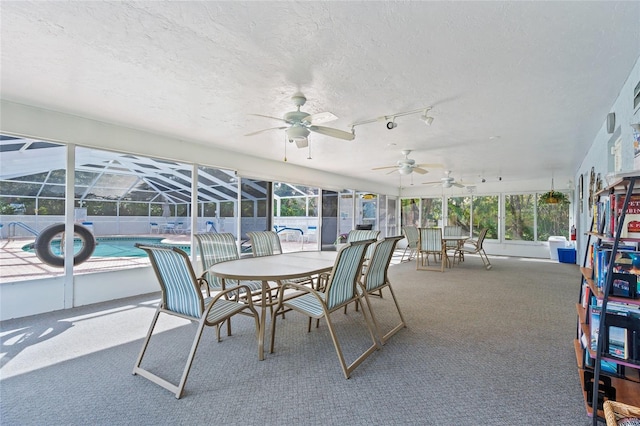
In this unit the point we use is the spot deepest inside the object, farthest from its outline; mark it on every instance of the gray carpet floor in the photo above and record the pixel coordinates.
(481, 348)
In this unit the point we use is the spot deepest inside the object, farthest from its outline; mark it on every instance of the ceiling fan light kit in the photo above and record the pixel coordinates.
(300, 124)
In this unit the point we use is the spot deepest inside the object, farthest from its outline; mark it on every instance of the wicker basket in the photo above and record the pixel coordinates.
(614, 411)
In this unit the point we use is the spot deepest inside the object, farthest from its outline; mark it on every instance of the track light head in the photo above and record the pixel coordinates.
(392, 124)
(426, 118)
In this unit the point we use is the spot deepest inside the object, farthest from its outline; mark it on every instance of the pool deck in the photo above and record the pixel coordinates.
(19, 265)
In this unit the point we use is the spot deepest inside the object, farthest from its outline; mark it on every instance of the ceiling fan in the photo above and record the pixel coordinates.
(300, 124)
(447, 181)
(406, 166)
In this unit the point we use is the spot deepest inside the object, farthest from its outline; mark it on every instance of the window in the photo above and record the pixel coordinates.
(410, 212)
(519, 220)
(485, 215)
(459, 212)
(552, 219)
(431, 212)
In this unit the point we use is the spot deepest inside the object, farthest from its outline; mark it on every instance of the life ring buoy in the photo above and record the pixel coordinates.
(43, 250)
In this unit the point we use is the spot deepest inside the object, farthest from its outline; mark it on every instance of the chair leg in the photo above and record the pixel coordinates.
(146, 341)
(398, 327)
(177, 390)
(347, 369)
(192, 354)
(485, 259)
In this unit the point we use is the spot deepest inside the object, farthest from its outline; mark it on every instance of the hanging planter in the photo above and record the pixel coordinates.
(553, 197)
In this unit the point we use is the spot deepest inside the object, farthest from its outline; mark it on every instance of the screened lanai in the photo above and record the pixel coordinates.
(120, 195)
(32, 181)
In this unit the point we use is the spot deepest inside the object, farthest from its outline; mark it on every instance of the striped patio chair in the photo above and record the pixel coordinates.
(267, 243)
(339, 292)
(182, 297)
(472, 246)
(452, 230)
(264, 243)
(362, 235)
(213, 248)
(413, 236)
(430, 243)
(377, 278)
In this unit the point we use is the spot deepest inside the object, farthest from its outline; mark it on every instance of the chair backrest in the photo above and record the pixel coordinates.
(362, 235)
(180, 290)
(264, 243)
(215, 248)
(454, 230)
(412, 235)
(345, 273)
(430, 239)
(481, 236)
(376, 275)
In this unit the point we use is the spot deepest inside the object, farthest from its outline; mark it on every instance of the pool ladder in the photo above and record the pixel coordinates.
(11, 229)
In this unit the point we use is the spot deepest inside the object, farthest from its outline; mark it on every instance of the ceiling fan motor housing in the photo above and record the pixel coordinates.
(294, 117)
(297, 133)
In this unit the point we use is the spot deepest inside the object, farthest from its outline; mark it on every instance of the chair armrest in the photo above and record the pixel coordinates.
(299, 287)
(249, 300)
(203, 282)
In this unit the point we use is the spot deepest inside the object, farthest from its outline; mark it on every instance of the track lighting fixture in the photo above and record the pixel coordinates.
(391, 118)
(636, 127)
(426, 118)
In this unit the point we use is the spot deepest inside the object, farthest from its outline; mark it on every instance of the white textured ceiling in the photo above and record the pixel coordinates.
(518, 89)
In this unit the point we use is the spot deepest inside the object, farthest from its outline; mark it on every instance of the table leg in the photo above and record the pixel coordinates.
(263, 316)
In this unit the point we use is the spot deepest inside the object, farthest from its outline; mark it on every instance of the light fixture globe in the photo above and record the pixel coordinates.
(406, 169)
(297, 133)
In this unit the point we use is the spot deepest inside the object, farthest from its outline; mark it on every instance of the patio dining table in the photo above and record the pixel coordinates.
(274, 268)
(459, 239)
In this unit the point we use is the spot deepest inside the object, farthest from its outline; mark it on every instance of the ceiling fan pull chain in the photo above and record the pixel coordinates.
(285, 147)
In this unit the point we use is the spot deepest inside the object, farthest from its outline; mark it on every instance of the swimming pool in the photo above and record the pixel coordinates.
(113, 246)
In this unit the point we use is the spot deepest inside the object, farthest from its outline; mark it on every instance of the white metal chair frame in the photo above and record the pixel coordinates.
(182, 297)
(340, 291)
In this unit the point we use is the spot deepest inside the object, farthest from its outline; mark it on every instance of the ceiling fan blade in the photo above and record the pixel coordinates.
(392, 171)
(420, 170)
(266, 130)
(302, 143)
(319, 118)
(459, 185)
(334, 133)
(432, 183)
(268, 116)
(431, 166)
(385, 167)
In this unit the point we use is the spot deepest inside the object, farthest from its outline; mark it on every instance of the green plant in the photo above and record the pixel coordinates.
(553, 197)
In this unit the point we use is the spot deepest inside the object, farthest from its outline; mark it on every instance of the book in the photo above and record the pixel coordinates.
(594, 324)
(631, 223)
(625, 285)
(618, 344)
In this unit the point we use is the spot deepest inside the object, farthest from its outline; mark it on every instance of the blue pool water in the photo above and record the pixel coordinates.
(113, 246)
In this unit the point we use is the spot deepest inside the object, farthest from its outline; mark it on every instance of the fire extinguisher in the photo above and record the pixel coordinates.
(573, 232)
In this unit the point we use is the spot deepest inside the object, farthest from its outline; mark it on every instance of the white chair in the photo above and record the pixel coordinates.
(312, 234)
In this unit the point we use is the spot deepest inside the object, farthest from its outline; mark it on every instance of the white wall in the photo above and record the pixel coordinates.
(599, 156)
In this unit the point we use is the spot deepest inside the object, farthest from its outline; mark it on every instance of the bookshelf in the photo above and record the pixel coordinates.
(607, 345)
